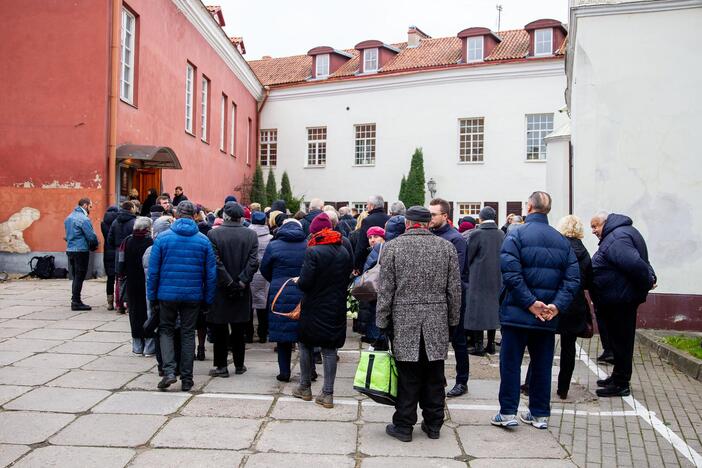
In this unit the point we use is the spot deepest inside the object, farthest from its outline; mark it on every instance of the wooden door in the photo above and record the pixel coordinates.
(146, 179)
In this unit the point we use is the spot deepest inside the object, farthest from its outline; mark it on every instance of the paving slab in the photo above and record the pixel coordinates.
(28, 427)
(96, 315)
(56, 361)
(245, 383)
(52, 313)
(120, 363)
(375, 442)
(25, 324)
(11, 375)
(115, 326)
(104, 380)
(59, 400)
(52, 334)
(84, 347)
(21, 343)
(289, 408)
(471, 417)
(408, 462)
(375, 412)
(490, 442)
(266, 460)
(124, 350)
(75, 324)
(10, 332)
(110, 337)
(109, 430)
(317, 437)
(70, 457)
(9, 357)
(149, 381)
(10, 392)
(519, 463)
(228, 406)
(207, 433)
(128, 402)
(179, 458)
(15, 311)
(10, 453)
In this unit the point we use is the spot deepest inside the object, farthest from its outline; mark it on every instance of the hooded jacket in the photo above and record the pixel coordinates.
(121, 227)
(394, 227)
(307, 220)
(108, 256)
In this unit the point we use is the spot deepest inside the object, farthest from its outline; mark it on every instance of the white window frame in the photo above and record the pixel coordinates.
(322, 66)
(360, 206)
(222, 124)
(543, 37)
(205, 97)
(540, 128)
(471, 140)
(368, 60)
(475, 49)
(316, 147)
(268, 146)
(364, 144)
(189, 90)
(127, 42)
(248, 140)
(232, 131)
(468, 208)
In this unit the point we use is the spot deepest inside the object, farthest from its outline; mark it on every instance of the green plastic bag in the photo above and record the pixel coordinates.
(376, 376)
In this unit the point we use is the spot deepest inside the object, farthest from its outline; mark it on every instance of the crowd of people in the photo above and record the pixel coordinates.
(181, 271)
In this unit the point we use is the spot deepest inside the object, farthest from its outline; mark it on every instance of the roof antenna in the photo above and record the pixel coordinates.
(499, 15)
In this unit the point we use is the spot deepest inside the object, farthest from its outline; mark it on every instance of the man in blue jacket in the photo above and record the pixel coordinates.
(540, 276)
(182, 277)
(621, 277)
(80, 240)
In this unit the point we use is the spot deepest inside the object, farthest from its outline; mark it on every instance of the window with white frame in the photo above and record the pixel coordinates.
(204, 96)
(538, 126)
(359, 205)
(365, 144)
(370, 60)
(223, 124)
(471, 139)
(249, 128)
(475, 49)
(322, 62)
(317, 146)
(127, 48)
(543, 41)
(268, 145)
(469, 208)
(232, 131)
(189, 85)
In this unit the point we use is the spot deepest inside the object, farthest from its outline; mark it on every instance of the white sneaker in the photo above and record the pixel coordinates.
(539, 423)
(504, 420)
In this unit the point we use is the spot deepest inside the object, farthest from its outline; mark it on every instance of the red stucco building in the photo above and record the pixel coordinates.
(102, 96)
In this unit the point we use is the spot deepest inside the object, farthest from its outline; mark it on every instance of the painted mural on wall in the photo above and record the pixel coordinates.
(12, 230)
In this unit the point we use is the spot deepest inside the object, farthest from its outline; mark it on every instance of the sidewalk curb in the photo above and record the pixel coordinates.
(687, 364)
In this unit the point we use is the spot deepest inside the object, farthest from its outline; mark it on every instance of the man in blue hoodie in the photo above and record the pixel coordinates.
(80, 240)
(182, 278)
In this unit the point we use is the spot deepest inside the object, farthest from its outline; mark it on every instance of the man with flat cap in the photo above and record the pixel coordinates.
(236, 249)
(418, 301)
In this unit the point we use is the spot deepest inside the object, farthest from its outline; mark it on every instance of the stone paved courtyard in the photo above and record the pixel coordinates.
(72, 394)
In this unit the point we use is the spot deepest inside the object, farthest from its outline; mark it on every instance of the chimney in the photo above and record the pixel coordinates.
(415, 36)
(266, 57)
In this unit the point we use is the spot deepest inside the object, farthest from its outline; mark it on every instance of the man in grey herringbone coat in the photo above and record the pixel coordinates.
(418, 301)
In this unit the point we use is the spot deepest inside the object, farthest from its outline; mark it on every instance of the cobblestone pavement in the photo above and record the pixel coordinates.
(72, 394)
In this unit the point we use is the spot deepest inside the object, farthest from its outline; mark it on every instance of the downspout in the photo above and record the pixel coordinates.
(113, 102)
(570, 177)
(261, 105)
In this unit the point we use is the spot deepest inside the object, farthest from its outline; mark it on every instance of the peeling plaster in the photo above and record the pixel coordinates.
(97, 180)
(25, 184)
(55, 184)
(11, 231)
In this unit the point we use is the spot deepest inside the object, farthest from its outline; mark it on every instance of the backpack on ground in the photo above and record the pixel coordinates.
(43, 268)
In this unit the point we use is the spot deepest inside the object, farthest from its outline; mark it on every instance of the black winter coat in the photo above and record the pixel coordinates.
(136, 282)
(108, 256)
(323, 280)
(149, 201)
(236, 249)
(574, 319)
(119, 230)
(349, 223)
(621, 273)
(376, 217)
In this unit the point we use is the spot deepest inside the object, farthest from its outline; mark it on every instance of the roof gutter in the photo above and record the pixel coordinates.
(113, 102)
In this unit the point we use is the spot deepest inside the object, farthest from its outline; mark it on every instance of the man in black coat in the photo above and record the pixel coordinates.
(108, 256)
(621, 279)
(179, 196)
(236, 249)
(120, 229)
(376, 217)
(316, 206)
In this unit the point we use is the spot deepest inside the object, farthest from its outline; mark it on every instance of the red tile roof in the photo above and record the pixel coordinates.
(431, 53)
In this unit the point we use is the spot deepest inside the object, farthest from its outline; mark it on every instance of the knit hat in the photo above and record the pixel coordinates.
(418, 213)
(488, 213)
(465, 226)
(258, 217)
(233, 210)
(280, 218)
(186, 208)
(321, 221)
(230, 198)
(156, 209)
(469, 219)
(376, 231)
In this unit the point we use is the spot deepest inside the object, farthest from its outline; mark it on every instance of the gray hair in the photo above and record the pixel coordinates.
(142, 223)
(333, 217)
(540, 202)
(376, 200)
(291, 220)
(397, 208)
(601, 216)
(316, 204)
(344, 210)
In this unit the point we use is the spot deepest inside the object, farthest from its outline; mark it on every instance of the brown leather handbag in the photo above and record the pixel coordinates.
(293, 314)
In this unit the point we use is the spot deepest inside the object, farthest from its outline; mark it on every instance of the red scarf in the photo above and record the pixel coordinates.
(325, 237)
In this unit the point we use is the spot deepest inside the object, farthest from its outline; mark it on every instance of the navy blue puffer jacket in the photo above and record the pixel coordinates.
(182, 265)
(621, 273)
(281, 261)
(537, 263)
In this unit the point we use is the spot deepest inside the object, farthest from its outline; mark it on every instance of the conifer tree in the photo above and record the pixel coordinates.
(258, 189)
(271, 190)
(414, 185)
(286, 193)
(403, 188)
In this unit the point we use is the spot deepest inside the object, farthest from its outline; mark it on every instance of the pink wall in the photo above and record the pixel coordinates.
(208, 174)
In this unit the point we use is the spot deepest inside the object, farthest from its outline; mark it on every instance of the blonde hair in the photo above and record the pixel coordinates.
(271, 218)
(255, 207)
(360, 219)
(571, 226)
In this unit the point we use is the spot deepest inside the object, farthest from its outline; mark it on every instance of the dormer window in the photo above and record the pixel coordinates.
(475, 49)
(322, 62)
(370, 60)
(543, 42)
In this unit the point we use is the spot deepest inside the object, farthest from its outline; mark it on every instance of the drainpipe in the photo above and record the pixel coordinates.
(261, 105)
(113, 102)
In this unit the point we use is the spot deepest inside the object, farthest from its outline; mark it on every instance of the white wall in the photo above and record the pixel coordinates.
(636, 100)
(419, 110)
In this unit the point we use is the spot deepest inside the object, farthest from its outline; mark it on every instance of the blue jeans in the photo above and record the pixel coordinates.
(307, 364)
(540, 344)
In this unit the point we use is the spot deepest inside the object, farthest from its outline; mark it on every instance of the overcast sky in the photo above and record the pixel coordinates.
(287, 27)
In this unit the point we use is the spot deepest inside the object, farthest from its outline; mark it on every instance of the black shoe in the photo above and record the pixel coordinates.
(524, 389)
(282, 378)
(80, 306)
(393, 431)
(240, 370)
(186, 385)
(313, 376)
(122, 311)
(200, 356)
(160, 373)
(431, 433)
(604, 382)
(477, 351)
(613, 390)
(166, 382)
(456, 391)
(607, 358)
(490, 348)
(219, 372)
(562, 394)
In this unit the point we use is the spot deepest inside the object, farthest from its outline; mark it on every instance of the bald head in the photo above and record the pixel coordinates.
(539, 202)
